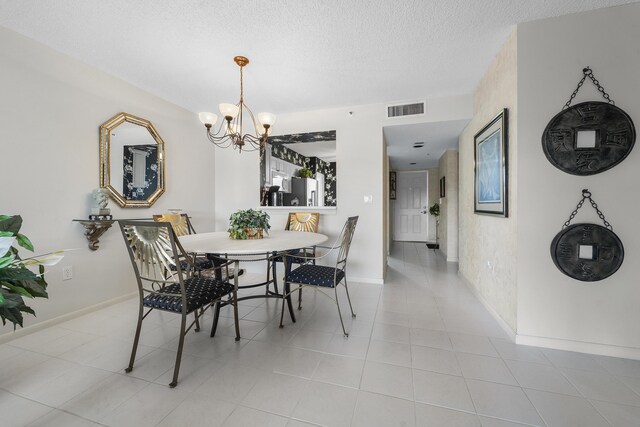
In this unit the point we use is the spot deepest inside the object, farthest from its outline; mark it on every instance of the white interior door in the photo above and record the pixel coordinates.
(410, 208)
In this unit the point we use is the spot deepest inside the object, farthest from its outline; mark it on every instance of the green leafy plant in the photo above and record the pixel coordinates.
(17, 280)
(243, 219)
(305, 172)
(435, 210)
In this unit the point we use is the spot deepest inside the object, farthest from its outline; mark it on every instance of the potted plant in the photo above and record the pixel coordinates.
(248, 224)
(435, 211)
(17, 281)
(305, 172)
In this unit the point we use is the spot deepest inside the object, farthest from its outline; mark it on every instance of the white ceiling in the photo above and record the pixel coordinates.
(437, 137)
(325, 150)
(305, 54)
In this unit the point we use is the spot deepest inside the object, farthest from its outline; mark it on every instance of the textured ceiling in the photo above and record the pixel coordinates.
(437, 137)
(305, 54)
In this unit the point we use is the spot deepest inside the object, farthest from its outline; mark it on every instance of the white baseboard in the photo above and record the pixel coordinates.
(445, 256)
(9, 336)
(507, 329)
(580, 346)
(555, 343)
(370, 280)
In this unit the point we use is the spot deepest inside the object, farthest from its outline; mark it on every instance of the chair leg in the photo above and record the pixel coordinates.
(216, 316)
(287, 291)
(284, 288)
(346, 334)
(176, 369)
(300, 299)
(346, 288)
(135, 340)
(266, 291)
(235, 314)
(197, 328)
(274, 269)
(286, 299)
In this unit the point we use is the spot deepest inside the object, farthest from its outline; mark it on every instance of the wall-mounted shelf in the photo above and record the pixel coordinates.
(94, 229)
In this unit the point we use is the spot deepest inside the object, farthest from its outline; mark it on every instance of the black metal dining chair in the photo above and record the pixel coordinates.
(207, 264)
(163, 284)
(296, 221)
(317, 276)
(182, 227)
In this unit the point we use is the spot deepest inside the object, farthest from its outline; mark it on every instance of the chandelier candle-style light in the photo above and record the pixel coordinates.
(230, 132)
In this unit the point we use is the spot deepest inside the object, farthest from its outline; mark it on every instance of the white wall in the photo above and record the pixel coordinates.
(359, 171)
(360, 159)
(50, 110)
(553, 309)
(386, 204)
(448, 168)
(488, 255)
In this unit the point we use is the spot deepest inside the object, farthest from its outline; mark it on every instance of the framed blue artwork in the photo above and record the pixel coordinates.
(491, 167)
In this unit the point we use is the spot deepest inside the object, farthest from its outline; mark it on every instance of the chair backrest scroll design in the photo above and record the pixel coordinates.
(303, 221)
(154, 249)
(346, 235)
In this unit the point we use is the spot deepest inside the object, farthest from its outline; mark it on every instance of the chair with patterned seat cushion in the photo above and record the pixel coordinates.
(206, 265)
(298, 221)
(181, 227)
(163, 284)
(321, 276)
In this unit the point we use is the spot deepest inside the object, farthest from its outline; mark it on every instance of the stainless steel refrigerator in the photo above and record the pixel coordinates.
(306, 190)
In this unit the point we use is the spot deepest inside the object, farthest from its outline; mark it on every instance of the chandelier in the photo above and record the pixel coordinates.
(230, 133)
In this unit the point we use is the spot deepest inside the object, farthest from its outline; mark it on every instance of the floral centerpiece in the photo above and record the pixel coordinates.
(17, 281)
(248, 224)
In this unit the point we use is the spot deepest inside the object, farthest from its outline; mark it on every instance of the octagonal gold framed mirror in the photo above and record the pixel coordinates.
(132, 161)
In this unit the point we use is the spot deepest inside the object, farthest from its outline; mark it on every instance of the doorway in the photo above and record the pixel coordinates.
(410, 209)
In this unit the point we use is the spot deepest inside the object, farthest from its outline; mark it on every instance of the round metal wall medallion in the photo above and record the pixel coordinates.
(588, 138)
(587, 252)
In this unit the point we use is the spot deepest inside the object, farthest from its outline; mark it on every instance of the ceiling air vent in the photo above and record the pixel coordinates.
(402, 110)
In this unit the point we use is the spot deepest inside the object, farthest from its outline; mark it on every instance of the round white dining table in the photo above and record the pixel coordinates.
(219, 243)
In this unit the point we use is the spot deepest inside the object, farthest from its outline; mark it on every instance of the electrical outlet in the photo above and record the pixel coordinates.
(67, 273)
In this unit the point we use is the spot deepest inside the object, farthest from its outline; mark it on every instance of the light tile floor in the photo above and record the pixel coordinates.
(422, 352)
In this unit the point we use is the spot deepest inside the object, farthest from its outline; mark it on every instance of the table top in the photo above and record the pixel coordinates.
(218, 242)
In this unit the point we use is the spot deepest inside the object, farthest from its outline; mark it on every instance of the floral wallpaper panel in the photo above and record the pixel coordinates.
(281, 151)
(151, 172)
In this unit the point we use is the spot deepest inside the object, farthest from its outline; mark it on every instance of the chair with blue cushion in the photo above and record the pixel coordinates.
(181, 227)
(164, 284)
(297, 221)
(321, 276)
(205, 265)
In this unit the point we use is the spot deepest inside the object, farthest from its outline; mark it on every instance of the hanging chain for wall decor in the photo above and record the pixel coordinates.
(589, 73)
(587, 252)
(590, 137)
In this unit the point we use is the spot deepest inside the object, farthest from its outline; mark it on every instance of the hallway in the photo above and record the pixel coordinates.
(423, 351)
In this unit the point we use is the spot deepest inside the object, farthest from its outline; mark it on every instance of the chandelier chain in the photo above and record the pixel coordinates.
(241, 85)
